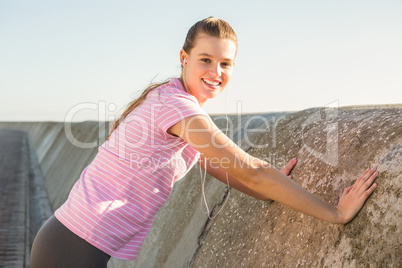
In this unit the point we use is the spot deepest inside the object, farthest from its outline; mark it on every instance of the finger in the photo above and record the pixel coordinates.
(368, 192)
(366, 177)
(363, 178)
(369, 182)
(289, 166)
(286, 169)
(368, 173)
(347, 190)
(371, 179)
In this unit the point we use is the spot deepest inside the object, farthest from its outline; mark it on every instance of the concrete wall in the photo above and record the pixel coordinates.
(61, 161)
(333, 145)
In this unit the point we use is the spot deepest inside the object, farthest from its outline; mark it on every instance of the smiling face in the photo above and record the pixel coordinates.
(208, 66)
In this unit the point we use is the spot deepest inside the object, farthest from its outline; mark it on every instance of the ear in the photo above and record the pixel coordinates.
(183, 55)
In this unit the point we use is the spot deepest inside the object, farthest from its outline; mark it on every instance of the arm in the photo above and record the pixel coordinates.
(221, 174)
(266, 181)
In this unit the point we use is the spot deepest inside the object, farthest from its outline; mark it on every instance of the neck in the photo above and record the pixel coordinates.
(183, 82)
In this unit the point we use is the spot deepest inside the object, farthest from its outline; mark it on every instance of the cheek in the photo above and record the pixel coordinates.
(194, 73)
(228, 76)
(200, 68)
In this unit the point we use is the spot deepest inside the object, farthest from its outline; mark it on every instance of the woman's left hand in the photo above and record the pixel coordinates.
(354, 197)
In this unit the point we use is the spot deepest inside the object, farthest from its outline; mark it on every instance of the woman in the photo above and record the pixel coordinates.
(155, 142)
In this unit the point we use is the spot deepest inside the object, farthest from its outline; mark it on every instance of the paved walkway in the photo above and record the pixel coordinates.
(14, 216)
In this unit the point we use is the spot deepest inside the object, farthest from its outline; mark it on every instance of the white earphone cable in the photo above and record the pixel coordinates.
(205, 174)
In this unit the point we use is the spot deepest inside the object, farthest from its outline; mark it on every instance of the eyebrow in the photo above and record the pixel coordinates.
(207, 55)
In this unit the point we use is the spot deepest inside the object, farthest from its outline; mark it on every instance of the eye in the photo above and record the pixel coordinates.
(226, 64)
(206, 60)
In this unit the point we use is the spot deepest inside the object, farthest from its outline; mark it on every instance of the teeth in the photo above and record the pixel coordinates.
(212, 83)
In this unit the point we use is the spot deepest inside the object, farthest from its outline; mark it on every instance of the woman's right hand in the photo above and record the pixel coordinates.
(354, 197)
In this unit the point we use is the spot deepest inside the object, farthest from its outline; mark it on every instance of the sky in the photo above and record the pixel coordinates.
(86, 60)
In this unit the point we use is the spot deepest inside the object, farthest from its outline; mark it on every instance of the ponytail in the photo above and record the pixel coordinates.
(134, 104)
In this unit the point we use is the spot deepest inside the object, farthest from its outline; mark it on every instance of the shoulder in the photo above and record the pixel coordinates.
(174, 99)
(173, 90)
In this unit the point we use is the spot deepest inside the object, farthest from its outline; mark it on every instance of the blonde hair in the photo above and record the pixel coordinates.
(210, 26)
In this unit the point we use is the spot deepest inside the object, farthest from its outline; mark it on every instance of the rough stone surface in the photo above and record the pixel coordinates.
(333, 145)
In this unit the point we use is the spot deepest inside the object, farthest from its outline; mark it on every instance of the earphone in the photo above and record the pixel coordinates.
(209, 212)
(203, 176)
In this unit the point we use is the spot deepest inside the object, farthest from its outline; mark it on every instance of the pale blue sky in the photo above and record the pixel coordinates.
(59, 57)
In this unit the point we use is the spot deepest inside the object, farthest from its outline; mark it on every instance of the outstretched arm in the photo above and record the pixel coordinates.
(220, 174)
(266, 181)
(224, 177)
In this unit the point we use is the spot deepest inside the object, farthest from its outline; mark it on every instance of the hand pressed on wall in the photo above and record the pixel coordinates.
(353, 198)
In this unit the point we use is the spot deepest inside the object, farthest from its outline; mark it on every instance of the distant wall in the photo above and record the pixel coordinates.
(333, 145)
(61, 161)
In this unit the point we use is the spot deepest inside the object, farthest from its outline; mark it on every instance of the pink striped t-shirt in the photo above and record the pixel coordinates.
(114, 203)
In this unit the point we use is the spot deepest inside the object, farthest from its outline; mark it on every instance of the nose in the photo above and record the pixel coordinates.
(216, 69)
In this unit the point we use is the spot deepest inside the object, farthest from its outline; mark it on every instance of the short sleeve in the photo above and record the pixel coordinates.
(176, 108)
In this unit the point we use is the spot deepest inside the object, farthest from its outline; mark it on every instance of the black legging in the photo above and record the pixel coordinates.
(55, 246)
